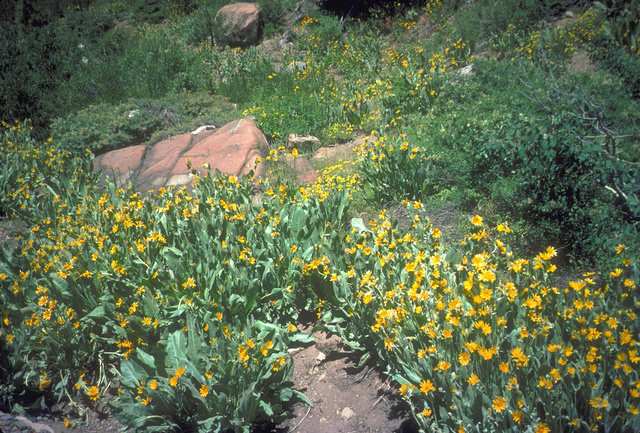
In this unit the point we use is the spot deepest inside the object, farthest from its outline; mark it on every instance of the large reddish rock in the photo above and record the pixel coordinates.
(233, 149)
(239, 24)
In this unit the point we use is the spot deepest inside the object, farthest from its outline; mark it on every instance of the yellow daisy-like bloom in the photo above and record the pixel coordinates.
(473, 379)
(542, 428)
(179, 371)
(367, 297)
(427, 386)
(173, 381)
(204, 390)
(93, 393)
(442, 365)
(476, 220)
(518, 416)
(153, 384)
(499, 404)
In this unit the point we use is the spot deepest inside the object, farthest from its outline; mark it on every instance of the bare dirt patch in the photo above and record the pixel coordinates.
(345, 398)
(581, 63)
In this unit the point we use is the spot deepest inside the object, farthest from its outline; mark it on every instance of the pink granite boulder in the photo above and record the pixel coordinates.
(233, 149)
(239, 24)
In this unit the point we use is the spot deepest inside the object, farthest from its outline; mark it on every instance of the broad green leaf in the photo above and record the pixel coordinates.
(129, 374)
(266, 407)
(145, 358)
(298, 222)
(303, 397)
(97, 312)
(176, 348)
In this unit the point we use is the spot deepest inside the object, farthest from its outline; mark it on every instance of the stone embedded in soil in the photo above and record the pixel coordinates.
(347, 413)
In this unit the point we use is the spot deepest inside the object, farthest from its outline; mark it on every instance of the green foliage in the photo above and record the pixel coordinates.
(394, 169)
(623, 17)
(480, 339)
(622, 61)
(134, 301)
(573, 166)
(556, 173)
(123, 66)
(33, 73)
(483, 19)
(201, 23)
(272, 14)
(151, 11)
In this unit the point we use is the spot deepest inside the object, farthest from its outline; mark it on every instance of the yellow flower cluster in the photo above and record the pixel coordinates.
(563, 40)
(493, 320)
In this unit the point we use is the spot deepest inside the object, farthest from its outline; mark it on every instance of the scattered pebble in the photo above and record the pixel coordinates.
(347, 413)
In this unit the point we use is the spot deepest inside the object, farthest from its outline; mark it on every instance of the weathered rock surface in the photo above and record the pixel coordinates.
(232, 149)
(302, 142)
(239, 24)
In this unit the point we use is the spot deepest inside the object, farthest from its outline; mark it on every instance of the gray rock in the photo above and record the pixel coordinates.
(302, 142)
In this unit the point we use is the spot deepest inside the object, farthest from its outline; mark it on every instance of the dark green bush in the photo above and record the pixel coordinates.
(33, 65)
(480, 20)
(620, 61)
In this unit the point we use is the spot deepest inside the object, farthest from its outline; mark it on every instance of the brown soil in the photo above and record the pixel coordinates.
(345, 398)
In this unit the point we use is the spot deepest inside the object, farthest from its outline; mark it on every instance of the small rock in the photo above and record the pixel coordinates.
(302, 142)
(466, 71)
(570, 14)
(321, 357)
(322, 377)
(294, 350)
(203, 128)
(347, 413)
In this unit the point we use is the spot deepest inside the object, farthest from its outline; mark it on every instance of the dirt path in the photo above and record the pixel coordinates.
(345, 398)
